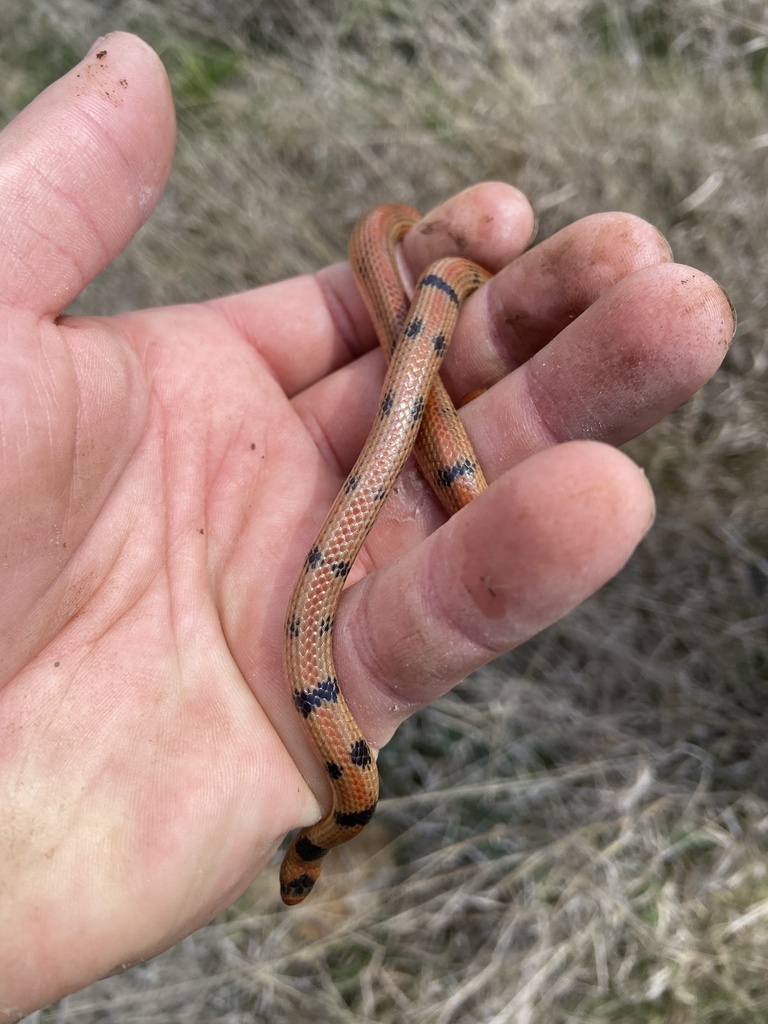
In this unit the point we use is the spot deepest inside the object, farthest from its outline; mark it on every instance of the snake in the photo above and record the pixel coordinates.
(414, 414)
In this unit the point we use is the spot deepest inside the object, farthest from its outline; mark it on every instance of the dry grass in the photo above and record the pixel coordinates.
(579, 834)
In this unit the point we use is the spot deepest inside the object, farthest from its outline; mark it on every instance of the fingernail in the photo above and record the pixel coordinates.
(667, 246)
(651, 502)
(734, 314)
(652, 518)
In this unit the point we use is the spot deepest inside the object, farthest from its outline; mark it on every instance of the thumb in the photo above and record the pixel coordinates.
(81, 169)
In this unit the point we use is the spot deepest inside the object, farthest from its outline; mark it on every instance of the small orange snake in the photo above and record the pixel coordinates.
(414, 409)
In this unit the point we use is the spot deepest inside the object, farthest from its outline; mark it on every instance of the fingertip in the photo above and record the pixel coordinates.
(641, 349)
(698, 318)
(718, 310)
(491, 223)
(627, 494)
(579, 499)
(123, 83)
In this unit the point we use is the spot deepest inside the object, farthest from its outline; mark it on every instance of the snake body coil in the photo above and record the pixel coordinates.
(414, 410)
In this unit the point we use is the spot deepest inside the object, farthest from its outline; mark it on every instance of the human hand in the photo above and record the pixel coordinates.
(164, 473)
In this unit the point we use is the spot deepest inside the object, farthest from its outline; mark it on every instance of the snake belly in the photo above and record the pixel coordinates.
(416, 414)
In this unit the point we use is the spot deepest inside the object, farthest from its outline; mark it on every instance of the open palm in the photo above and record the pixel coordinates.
(164, 472)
